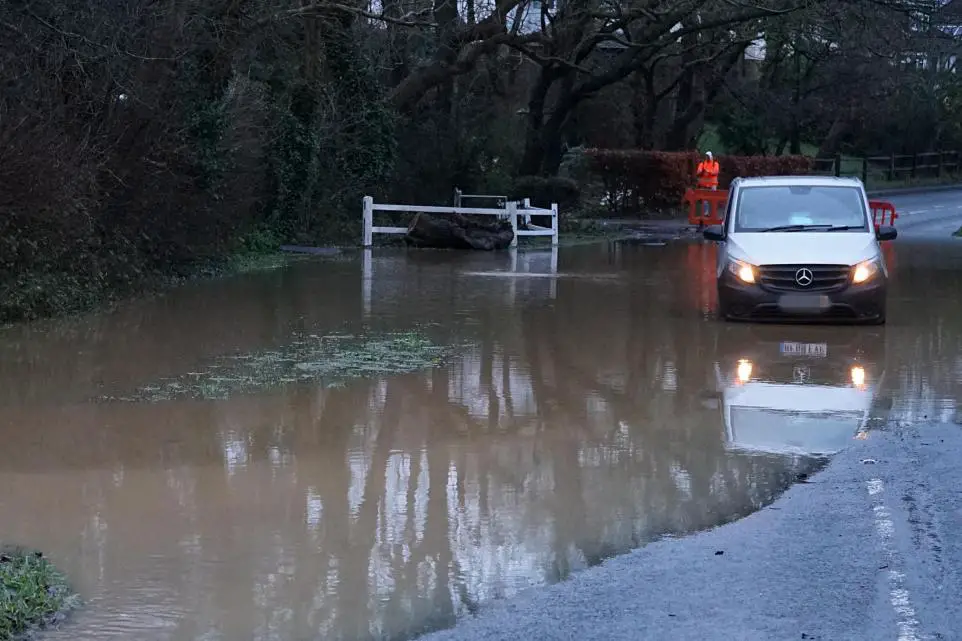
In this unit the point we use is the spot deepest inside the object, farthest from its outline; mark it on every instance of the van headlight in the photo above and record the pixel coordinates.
(743, 271)
(865, 271)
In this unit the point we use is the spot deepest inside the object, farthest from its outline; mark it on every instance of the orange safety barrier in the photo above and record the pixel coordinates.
(881, 209)
(883, 212)
(716, 201)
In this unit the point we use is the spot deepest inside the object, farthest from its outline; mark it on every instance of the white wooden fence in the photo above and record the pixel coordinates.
(460, 197)
(511, 211)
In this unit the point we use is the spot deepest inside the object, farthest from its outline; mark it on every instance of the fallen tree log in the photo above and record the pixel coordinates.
(454, 231)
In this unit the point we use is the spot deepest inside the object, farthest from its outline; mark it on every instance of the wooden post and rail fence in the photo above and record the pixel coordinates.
(930, 166)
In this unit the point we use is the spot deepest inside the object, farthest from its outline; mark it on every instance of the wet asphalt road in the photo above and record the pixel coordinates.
(869, 549)
(927, 214)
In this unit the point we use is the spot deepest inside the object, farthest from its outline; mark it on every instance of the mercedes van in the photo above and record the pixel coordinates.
(800, 248)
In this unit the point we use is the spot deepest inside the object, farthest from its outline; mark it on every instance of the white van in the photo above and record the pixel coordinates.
(800, 248)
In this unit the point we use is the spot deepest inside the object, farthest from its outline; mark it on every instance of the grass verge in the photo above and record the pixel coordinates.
(33, 593)
(330, 361)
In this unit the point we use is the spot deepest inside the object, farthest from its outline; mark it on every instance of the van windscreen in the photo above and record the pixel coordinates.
(794, 207)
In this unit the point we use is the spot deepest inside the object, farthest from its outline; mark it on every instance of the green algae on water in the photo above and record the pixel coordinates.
(33, 593)
(328, 360)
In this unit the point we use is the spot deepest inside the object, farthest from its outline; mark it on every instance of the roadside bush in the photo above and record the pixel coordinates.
(733, 166)
(546, 190)
(636, 180)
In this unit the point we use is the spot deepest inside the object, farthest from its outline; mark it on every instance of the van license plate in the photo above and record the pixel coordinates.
(819, 350)
(804, 303)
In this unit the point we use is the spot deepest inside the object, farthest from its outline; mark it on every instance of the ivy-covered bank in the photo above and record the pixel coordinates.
(34, 594)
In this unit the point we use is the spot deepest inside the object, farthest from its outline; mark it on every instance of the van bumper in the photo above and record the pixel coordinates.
(863, 303)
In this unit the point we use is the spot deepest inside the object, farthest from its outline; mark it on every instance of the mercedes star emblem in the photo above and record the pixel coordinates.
(804, 277)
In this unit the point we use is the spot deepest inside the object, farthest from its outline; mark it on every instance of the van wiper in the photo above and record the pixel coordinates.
(795, 228)
(845, 227)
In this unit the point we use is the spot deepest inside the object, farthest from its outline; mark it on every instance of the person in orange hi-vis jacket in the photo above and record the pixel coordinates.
(707, 175)
(707, 172)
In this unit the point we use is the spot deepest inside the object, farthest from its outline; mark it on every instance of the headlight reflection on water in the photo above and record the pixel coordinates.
(857, 375)
(744, 370)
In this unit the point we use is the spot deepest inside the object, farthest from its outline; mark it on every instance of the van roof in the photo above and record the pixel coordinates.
(785, 181)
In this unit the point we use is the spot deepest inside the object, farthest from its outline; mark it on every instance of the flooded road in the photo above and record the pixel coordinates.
(234, 461)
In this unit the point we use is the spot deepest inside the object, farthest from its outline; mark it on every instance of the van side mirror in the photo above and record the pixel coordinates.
(714, 233)
(886, 233)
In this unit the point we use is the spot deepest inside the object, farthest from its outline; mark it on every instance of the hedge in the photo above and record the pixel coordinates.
(635, 180)
(543, 191)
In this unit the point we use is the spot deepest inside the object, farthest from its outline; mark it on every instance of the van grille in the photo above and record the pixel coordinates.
(825, 278)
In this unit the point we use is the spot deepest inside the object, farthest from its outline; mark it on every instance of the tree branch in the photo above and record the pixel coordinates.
(321, 8)
(739, 44)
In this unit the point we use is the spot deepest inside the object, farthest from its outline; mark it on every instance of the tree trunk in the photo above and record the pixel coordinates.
(552, 135)
(533, 144)
(446, 15)
(685, 101)
(780, 146)
(833, 139)
(546, 150)
(679, 136)
(796, 133)
(453, 231)
(646, 109)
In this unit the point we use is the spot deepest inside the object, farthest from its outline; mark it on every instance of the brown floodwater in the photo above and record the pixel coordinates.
(590, 404)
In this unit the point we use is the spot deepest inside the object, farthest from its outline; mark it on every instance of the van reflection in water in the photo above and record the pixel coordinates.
(798, 390)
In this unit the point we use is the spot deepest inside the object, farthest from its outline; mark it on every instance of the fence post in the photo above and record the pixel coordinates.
(915, 164)
(368, 233)
(938, 168)
(865, 171)
(838, 165)
(554, 224)
(512, 208)
(457, 196)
